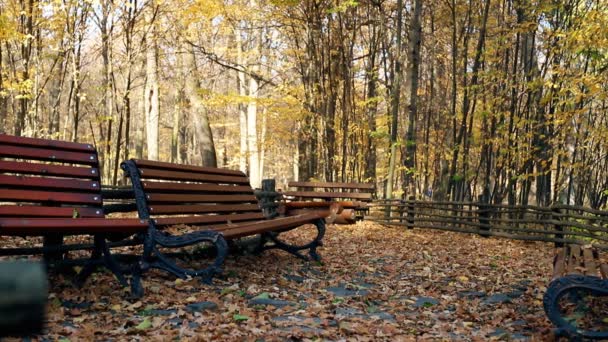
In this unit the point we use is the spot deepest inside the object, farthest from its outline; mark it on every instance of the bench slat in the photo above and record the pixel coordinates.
(574, 260)
(44, 226)
(48, 183)
(283, 223)
(182, 167)
(46, 154)
(44, 211)
(179, 198)
(49, 196)
(190, 176)
(36, 142)
(590, 266)
(208, 219)
(604, 270)
(559, 263)
(49, 170)
(201, 208)
(361, 186)
(189, 187)
(328, 195)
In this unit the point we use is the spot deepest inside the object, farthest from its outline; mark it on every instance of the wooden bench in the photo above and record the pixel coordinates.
(575, 268)
(214, 201)
(341, 203)
(52, 188)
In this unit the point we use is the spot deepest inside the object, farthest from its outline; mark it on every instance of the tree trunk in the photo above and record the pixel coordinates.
(151, 99)
(395, 101)
(242, 89)
(198, 112)
(412, 82)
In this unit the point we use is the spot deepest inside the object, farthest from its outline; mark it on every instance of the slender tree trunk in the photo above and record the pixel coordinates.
(412, 82)
(26, 20)
(108, 103)
(3, 98)
(198, 112)
(395, 100)
(242, 89)
(151, 99)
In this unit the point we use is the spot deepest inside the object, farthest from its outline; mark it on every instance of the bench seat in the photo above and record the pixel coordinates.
(69, 226)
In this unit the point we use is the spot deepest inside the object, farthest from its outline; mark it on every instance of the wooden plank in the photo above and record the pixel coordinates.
(278, 224)
(202, 208)
(37, 142)
(68, 226)
(46, 154)
(181, 167)
(48, 196)
(49, 170)
(48, 183)
(43, 211)
(319, 204)
(332, 185)
(191, 176)
(353, 204)
(193, 187)
(328, 195)
(604, 271)
(323, 212)
(307, 204)
(574, 260)
(559, 262)
(208, 219)
(590, 265)
(347, 216)
(180, 198)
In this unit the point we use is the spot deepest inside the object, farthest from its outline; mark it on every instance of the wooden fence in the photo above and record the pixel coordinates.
(558, 223)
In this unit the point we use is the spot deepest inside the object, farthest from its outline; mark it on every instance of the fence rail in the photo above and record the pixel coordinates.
(560, 224)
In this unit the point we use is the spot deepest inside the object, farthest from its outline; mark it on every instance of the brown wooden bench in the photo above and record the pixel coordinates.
(209, 200)
(341, 203)
(575, 268)
(52, 188)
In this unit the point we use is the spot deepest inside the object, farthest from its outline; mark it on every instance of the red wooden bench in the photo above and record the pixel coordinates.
(341, 203)
(211, 201)
(52, 188)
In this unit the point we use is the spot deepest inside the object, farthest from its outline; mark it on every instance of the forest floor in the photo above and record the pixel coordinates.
(374, 283)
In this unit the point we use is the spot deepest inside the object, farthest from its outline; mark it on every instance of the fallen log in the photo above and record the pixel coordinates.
(347, 216)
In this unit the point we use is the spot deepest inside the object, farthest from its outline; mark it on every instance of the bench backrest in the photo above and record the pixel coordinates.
(48, 178)
(192, 195)
(330, 190)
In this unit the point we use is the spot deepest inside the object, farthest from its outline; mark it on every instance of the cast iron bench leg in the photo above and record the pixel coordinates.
(153, 258)
(100, 255)
(294, 249)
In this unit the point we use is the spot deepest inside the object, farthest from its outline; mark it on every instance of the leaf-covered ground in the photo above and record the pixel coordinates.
(375, 283)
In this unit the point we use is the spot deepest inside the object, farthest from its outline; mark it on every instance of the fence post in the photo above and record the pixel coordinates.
(400, 206)
(410, 212)
(483, 211)
(268, 187)
(556, 217)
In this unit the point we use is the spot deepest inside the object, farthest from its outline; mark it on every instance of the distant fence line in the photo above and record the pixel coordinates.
(560, 224)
